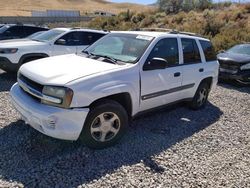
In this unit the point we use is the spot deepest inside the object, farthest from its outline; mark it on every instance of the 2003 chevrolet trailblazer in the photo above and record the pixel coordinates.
(92, 96)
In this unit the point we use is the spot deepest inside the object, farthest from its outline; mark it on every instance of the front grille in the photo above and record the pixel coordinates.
(31, 83)
(229, 65)
(34, 87)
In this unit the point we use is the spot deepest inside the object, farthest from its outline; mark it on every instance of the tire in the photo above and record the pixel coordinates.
(200, 99)
(99, 135)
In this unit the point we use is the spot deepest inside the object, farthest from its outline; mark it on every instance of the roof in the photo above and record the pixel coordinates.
(89, 30)
(157, 34)
(61, 29)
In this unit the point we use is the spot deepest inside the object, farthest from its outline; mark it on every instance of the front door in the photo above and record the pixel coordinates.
(67, 44)
(162, 86)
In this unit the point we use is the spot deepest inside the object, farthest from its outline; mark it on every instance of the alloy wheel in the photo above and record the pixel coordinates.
(105, 127)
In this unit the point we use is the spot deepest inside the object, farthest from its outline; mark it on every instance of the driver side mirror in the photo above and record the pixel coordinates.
(155, 64)
(61, 42)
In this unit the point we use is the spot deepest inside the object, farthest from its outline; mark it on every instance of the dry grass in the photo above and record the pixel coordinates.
(24, 7)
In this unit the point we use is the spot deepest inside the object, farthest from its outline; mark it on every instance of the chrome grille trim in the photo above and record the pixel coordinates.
(36, 93)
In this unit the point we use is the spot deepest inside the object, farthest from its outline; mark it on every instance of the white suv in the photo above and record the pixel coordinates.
(93, 95)
(14, 53)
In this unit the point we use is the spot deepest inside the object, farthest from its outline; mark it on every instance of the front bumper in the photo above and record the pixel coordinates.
(65, 124)
(240, 75)
(7, 65)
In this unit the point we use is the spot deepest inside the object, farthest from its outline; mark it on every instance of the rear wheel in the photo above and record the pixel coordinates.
(105, 125)
(200, 99)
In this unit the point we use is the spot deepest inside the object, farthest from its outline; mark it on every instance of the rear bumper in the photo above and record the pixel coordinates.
(65, 124)
(7, 65)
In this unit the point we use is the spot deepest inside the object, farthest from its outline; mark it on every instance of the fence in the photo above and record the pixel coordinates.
(42, 20)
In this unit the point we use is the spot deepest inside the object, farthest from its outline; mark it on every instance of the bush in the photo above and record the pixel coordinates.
(226, 26)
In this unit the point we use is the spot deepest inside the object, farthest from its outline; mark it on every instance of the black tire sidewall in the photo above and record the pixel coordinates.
(105, 106)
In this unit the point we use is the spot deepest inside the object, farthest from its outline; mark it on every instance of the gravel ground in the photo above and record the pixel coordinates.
(174, 147)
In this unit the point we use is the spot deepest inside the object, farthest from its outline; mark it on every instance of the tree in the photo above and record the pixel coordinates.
(175, 6)
(170, 6)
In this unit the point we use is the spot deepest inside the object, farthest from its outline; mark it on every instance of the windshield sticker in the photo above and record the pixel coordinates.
(143, 37)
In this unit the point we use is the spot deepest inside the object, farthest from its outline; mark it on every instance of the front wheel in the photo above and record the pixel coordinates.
(200, 99)
(105, 125)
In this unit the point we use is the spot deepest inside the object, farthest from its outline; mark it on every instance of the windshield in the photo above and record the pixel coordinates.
(48, 35)
(240, 49)
(4, 28)
(122, 47)
(35, 34)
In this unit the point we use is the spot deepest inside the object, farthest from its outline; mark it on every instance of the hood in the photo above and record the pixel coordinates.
(15, 43)
(60, 70)
(14, 40)
(237, 58)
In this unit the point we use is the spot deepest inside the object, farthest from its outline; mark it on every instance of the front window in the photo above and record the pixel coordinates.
(240, 49)
(48, 35)
(166, 49)
(122, 47)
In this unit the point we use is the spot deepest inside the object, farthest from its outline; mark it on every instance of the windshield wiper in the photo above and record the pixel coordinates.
(111, 59)
(87, 52)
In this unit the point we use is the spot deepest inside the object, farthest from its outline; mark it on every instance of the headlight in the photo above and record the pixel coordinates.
(245, 67)
(8, 50)
(57, 96)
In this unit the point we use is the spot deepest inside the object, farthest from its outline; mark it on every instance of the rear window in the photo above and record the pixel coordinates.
(208, 50)
(191, 52)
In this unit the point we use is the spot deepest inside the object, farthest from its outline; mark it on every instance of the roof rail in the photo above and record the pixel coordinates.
(155, 29)
(171, 31)
(188, 33)
(104, 30)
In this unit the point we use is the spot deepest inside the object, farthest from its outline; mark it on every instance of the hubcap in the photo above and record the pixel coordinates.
(202, 96)
(105, 127)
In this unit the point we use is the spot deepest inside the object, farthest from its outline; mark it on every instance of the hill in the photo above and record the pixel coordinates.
(225, 25)
(24, 7)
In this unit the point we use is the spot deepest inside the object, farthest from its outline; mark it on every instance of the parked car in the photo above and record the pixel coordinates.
(50, 43)
(235, 64)
(93, 95)
(35, 34)
(16, 31)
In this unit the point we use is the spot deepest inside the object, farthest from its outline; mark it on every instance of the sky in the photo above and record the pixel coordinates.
(135, 1)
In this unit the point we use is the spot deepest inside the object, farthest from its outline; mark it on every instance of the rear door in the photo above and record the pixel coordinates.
(193, 67)
(160, 87)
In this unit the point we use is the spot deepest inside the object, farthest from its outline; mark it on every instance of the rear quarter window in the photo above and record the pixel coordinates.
(208, 50)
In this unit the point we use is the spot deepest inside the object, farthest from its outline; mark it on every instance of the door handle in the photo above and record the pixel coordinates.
(177, 74)
(201, 70)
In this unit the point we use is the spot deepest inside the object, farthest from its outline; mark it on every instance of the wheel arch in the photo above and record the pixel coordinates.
(31, 55)
(208, 80)
(123, 99)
